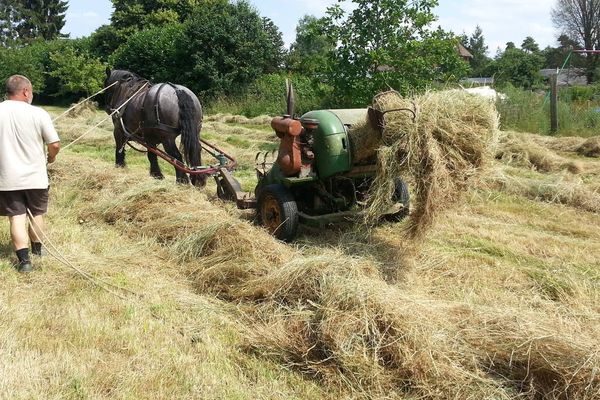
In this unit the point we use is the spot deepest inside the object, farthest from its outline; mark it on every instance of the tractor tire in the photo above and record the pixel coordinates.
(277, 211)
(401, 196)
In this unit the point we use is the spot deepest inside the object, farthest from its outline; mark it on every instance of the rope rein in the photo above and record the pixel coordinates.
(83, 101)
(54, 252)
(49, 245)
(115, 111)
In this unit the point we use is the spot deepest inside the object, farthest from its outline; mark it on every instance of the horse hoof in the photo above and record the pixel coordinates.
(120, 165)
(158, 176)
(183, 181)
(199, 182)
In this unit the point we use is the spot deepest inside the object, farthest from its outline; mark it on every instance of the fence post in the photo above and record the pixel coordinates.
(554, 103)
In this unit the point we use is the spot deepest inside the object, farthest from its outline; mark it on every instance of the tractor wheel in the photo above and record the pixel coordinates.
(401, 196)
(278, 212)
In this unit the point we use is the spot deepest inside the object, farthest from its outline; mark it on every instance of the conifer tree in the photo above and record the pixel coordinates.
(41, 19)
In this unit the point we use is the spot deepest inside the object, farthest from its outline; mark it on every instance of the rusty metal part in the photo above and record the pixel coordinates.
(286, 126)
(228, 188)
(270, 212)
(289, 157)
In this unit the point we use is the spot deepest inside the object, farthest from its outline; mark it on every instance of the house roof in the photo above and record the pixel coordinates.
(464, 52)
(567, 76)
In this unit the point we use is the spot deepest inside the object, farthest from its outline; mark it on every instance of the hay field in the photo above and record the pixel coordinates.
(502, 300)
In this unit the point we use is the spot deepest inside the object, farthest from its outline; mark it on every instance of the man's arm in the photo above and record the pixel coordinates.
(53, 149)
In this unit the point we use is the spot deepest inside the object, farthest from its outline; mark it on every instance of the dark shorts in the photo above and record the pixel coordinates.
(17, 202)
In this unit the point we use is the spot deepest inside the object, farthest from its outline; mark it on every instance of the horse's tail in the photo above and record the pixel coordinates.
(189, 121)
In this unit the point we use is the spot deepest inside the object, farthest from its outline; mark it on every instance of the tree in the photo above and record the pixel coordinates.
(9, 17)
(133, 15)
(529, 45)
(41, 19)
(77, 73)
(388, 43)
(477, 47)
(311, 51)
(105, 41)
(557, 56)
(228, 48)
(275, 52)
(23, 21)
(517, 67)
(580, 21)
(160, 53)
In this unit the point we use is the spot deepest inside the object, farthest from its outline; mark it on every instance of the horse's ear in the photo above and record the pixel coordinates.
(107, 71)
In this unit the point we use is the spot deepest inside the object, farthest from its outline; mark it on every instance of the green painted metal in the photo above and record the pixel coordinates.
(291, 181)
(331, 144)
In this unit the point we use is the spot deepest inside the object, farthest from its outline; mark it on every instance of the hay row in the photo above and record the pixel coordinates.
(238, 119)
(333, 317)
(569, 191)
(520, 150)
(589, 147)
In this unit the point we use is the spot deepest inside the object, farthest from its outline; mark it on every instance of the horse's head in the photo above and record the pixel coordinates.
(116, 77)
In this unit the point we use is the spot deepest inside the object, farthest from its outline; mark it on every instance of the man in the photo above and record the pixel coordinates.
(24, 129)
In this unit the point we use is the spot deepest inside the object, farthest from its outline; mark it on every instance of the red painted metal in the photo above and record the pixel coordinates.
(289, 156)
(210, 148)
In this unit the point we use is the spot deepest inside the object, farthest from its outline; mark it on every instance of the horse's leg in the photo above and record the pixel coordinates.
(172, 150)
(120, 147)
(154, 167)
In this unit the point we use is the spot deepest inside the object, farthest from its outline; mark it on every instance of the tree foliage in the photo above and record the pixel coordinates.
(219, 50)
(229, 47)
(27, 20)
(517, 67)
(160, 53)
(77, 73)
(477, 47)
(557, 56)
(57, 68)
(42, 19)
(580, 21)
(311, 52)
(529, 45)
(388, 43)
(9, 18)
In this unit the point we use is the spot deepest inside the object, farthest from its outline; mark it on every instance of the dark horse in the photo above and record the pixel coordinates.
(157, 114)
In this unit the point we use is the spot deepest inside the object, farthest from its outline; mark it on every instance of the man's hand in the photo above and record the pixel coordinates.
(53, 149)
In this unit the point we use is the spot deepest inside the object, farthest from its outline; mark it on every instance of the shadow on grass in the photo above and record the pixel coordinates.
(392, 256)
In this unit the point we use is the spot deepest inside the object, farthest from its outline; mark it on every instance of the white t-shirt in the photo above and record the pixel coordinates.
(24, 131)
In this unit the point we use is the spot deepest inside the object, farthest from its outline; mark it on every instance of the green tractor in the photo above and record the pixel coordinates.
(314, 179)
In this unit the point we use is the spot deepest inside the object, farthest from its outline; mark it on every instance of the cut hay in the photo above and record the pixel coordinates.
(568, 144)
(239, 119)
(87, 109)
(334, 319)
(440, 140)
(569, 191)
(332, 315)
(519, 149)
(590, 148)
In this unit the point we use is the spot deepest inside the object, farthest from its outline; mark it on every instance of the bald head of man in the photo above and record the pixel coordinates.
(19, 88)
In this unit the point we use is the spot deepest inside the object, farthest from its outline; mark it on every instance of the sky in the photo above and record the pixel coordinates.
(501, 21)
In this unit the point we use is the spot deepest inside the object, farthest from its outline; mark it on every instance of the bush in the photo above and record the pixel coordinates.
(57, 68)
(267, 96)
(161, 54)
(29, 61)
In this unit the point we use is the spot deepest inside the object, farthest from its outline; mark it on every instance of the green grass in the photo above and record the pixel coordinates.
(527, 111)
